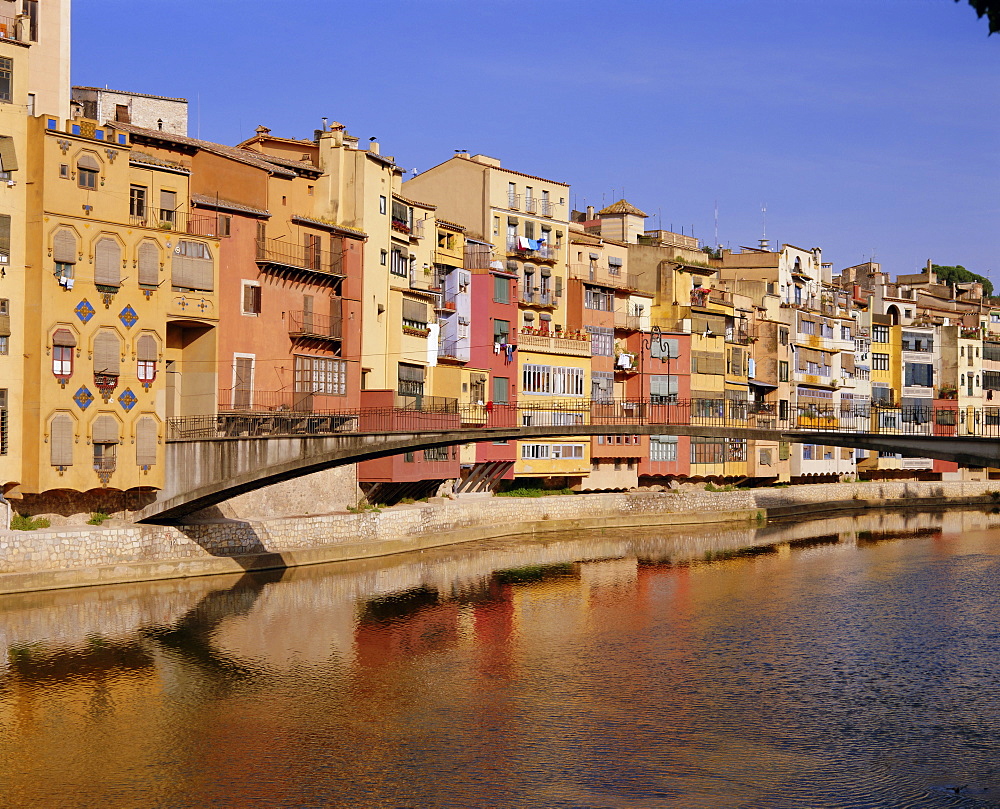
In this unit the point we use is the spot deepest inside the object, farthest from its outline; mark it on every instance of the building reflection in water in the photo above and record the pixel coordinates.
(542, 650)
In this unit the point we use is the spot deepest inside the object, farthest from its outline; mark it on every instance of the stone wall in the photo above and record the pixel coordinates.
(65, 557)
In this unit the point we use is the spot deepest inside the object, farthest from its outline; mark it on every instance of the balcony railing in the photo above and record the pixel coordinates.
(181, 221)
(547, 343)
(453, 350)
(299, 257)
(545, 208)
(627, 321)
(314, 325)
(104, 464)
(513, 201)
(530, 205)
(537, 297)
(520, 246)
(606, 276)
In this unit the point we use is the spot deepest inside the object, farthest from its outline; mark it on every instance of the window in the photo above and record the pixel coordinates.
(87, 169)
(137, 202)
(602, 386)
(6, 78)
(251, 298)
(320, 375)
(783, 336)
(382, 204)
(501, 386)
(149, 264)
(663, 448)
(224, 224)
(707, 450)
(808, 452)
(501, 290)
(3, 421)
(918, 374)
(4, 325)
(192, 267)
(410, 380)
(599, 299)
(61, 433)
(782, 371)
(383, 258)
(107, 354)
(146, 439)
(880, 362)
(915, 341)
(880, 334)
(146, 353)
(501, 331)
(601, 341)
(400, 262)
(104, 435)
(108, 262)
(663, 388)
(552, 380)
(845, 333)
(414, 314)
(807, 327)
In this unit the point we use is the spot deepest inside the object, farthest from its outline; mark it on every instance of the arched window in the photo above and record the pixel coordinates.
(87, 171)
(149, 264)
(146, 354)
(63, 343)
(61, 440)
(145, 441)
(108, 262)
(104, 438)
(107, 354)
(64, 254)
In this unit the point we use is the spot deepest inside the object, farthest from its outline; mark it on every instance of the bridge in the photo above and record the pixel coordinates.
(212, 458)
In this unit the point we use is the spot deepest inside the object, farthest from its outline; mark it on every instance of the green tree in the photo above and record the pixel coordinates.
(990, 9)
(957, 274)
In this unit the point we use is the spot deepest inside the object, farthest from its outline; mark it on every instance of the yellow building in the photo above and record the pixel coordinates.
(120, 311)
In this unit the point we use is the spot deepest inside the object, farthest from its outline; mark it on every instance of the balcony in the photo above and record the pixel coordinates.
(706, 298)
(549, 344)
(144, 216)
(314, 326)
(417, 229)
(628, 321)
(453, 350)
(514, 201)
(605, 276)
(536, 297)
(530, 205)
(520, 246)
(278, 253)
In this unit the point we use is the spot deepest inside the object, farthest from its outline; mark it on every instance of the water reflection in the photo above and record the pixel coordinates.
(842, 662)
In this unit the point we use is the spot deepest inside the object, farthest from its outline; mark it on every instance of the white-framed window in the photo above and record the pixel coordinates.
(251, 298)
(663, 448)
(320, 375)
(382, 204)
(552, 380)
(602, 341)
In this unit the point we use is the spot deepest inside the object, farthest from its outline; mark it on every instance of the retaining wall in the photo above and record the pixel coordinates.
(70, 557)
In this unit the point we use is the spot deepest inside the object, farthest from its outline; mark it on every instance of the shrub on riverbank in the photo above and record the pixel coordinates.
(534, 492)
(22, 522)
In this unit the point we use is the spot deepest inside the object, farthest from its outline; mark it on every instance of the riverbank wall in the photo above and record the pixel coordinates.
(74, 557)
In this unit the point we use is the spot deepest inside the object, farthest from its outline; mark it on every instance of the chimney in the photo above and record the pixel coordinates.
(373, 146)
(590, 213)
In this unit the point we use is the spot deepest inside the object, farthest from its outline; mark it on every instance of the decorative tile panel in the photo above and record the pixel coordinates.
(127, 399)
(83, 398)
(84, 310)
(128, 317)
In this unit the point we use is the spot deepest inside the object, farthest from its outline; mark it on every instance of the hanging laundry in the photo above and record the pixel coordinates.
(533, 244)
(510, 353)
(522, 243)
(496, 348)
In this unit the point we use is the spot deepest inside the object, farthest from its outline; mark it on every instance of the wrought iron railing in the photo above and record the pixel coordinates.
(145, 216)
(314, 325)
(298, 256)
(258, 414)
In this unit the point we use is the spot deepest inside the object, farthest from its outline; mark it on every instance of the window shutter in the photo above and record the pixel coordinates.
(415, 311)
(107, 354)
(105, 430)
(146, 349)
(847, 362)
(5, 235)
(8, 158)
(559, 286)
(88, 161)
(64, 247)
(411, 373)
(149, 264)
(145, 441)
(168, 202)
(61, 440)
(248, 298)
(108, 263)
(63, 337)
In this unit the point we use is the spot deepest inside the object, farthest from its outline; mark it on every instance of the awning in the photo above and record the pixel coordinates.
(762, 385)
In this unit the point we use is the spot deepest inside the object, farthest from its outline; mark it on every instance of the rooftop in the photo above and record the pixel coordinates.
(623, 207)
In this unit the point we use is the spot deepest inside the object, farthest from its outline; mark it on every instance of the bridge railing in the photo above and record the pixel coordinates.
(428, 415)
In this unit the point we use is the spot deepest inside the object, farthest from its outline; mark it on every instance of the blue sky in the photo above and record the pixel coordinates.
(866, 126)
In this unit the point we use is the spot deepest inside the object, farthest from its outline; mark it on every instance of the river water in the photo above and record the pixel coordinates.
(848, 662)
